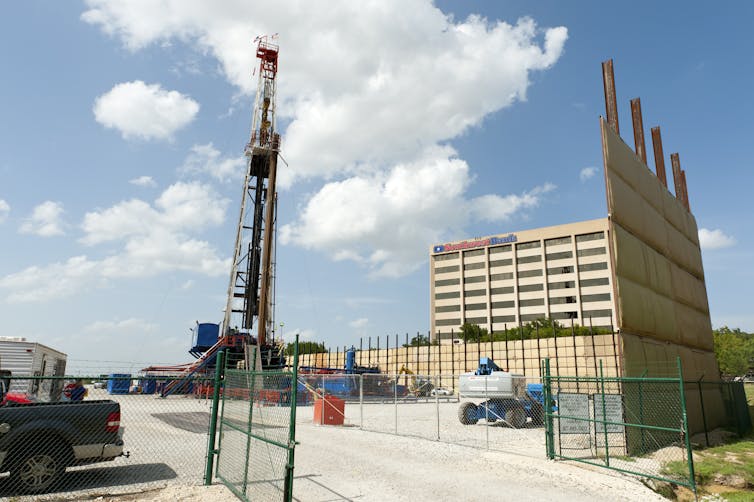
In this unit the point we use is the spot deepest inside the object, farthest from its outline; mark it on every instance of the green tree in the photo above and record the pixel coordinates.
(734, 350)
(420, 341)
(306, 348)
(473, 333)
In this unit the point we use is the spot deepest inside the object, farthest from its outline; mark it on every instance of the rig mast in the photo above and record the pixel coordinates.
(250, 291)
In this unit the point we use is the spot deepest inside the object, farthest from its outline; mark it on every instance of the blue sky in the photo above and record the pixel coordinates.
(404, 125)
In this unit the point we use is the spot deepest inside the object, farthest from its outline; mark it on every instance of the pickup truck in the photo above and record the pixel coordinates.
(39, 440)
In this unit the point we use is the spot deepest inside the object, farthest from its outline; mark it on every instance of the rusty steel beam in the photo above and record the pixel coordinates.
(611, 101)
(641, 148)
(685, 191)
(675, 161)
(659, 156)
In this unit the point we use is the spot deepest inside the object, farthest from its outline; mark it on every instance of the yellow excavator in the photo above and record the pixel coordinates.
(418, 386)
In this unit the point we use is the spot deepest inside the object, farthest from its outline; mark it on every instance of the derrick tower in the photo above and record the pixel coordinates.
(250, 302)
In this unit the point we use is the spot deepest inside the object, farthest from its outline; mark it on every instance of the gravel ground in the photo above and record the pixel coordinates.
(167, 441)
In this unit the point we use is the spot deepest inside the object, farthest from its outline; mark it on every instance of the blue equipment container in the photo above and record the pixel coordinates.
(148, 386)
(207, 334)
(119, 383)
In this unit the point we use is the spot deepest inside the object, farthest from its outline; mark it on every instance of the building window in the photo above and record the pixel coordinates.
(472, 280)
(564, 315)
(558, 240)
(447, 322)
(473, 252)
(503, 305)
(475, 292)
(499, 277)
(559, 300)
(500, 249)
(533, 302)
(562, 285)
(525, 288)
(531, 317)
(588, 267)
(528, 245)
(600, 281)
(595, 298)
(559, 256)
(475, 306)
(501, 263)
(447, 282)
(590, 251)
(476, 320)
(529, 273)
(445, 257)
(501, 291)
(590, 237)
(560, 270)
(446, 296)
(445, 270)
(473, 266)
(597, 313)
(447, 308)
(504, 318)
(529, 259)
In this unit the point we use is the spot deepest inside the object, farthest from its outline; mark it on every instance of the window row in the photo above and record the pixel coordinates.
(586, 267)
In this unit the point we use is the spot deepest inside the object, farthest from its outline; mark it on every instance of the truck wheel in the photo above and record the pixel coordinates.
(38, 470)
(467, 414)
(537, 414)
(516, 416)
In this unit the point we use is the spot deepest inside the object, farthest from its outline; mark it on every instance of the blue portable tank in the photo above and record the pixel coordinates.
(119, 383)
(350, 359)
(148, 386)
(207, 334)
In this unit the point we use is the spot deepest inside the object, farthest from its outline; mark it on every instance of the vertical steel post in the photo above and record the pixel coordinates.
(685, 425)
(604, 417)
(701, 402)
(289, 466)
(361, 401)
(611, 102)
(211, 452)
(549, 433)
(395, 403)
(640, 147)
(438, 383)
(659, 156)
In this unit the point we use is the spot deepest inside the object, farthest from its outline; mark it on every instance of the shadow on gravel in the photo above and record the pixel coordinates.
(100, 477)
(193, 421)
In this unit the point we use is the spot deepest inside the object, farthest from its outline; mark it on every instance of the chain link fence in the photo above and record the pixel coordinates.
(429, 407)
(632, 425)
(76, 437)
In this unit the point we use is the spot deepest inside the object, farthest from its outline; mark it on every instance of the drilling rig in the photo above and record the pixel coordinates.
(250, 299)
(250, 302)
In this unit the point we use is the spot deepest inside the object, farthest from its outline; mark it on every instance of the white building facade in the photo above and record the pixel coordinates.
(562, 272)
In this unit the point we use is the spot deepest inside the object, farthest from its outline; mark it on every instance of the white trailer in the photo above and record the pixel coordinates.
(25, 358)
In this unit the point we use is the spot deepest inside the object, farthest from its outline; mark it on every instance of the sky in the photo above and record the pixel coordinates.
(405, 124)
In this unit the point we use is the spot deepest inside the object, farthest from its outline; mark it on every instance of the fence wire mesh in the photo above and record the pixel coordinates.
(633, 425)
(255, 434)
(428, 407)
(76, 437)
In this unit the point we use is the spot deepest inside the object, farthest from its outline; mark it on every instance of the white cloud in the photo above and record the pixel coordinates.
(144, 111)
(416, 78)
(155, 239)
(127, 325)
(188, 284)
(143, 181)
(359, 323)
(4, 210)
(715, 239)
(387, 222)
(206, 159)
(45, 220)
(587, 173)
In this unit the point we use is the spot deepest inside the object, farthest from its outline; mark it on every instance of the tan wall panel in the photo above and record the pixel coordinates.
(629, 256)
(695, 327)
(659, 277)
(688, 289)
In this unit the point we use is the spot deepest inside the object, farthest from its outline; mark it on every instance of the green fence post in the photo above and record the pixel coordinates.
(288, 488)
(701, 404)
(604, 417)
(213, 418)
(685, 425)
(549, 434)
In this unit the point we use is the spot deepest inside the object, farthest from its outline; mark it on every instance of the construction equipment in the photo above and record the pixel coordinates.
(418, 386)
(250, 297)
(506, 397)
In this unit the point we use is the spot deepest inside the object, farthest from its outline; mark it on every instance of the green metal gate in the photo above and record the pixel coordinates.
(256, 434)
(632, 425)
